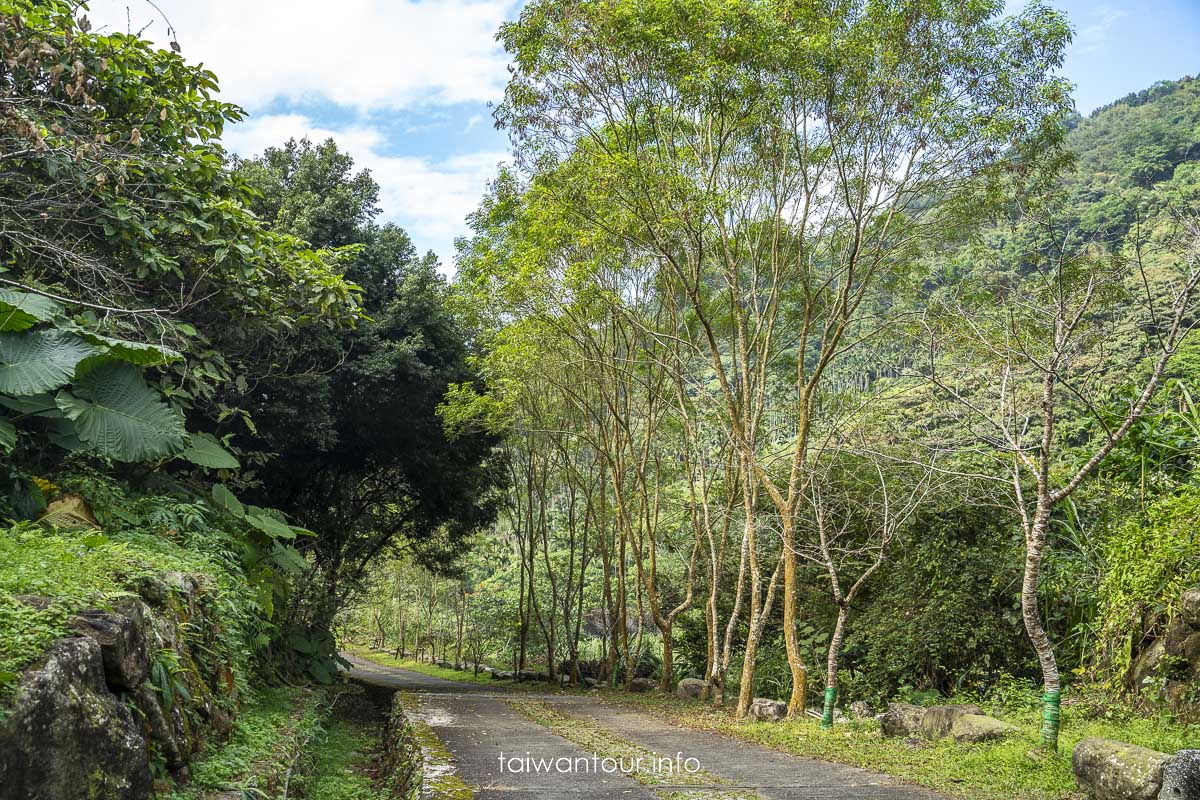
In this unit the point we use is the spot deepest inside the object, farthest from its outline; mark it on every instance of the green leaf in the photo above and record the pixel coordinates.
(36, 405)
(8, 434)
(227, 502)
(301, 642)
(63, 433)
(95, 540)
(38, 361)
(22, 310)
(322, 671)
(143, 354)
(271, 526)
(289, 559)
(117, 413)
(205, 451)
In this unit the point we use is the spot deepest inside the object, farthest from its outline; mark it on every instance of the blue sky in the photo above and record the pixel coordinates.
(405, 86)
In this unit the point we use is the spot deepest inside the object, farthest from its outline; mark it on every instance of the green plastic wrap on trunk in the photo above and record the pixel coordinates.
(1050, 714)
(827, 712)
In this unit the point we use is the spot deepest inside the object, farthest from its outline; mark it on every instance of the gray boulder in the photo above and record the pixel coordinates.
(122, 645)
(164, 728)
(901, 719)
(859, 709)
(159, 589)
(975, 728)
(1111, 770)
(1147, 665)
(590, 682)
(766, 710)
(1190, 607)
(937, 721)
(1181, 777)
(67, 737)
(1178, 632)
(690, 689)
(1189, 650)
(642, 685)
(40, 602)
(501, 675)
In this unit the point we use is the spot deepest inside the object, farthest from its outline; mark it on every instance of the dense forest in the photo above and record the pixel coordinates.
(819, 352)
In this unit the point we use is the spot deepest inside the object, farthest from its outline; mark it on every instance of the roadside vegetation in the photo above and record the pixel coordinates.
(783, 418)
(820, 352)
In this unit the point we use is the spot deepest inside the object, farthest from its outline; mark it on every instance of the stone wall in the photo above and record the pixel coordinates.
(402, 764)
(130, 697)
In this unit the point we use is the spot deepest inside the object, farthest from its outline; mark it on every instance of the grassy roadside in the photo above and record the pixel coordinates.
(1011, 769)
(269, 738)
(343, 755)
(388, 660)
(462, 676)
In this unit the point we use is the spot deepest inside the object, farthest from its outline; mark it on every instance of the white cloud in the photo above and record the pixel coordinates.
(1094, 36)
(369, 54)
(427, 197)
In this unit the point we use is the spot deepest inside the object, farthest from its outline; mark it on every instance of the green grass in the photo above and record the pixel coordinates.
(342, 762)
(269, 736)
(1013, 769)
(463, 676)
(76, 570)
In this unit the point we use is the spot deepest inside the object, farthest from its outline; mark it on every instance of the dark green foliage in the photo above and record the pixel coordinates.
(358, 452)
(944, 617)
(126, 238)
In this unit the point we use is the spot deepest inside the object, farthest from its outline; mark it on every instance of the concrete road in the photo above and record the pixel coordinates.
(477, 726)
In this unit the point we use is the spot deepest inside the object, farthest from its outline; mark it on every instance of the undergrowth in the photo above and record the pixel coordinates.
(81, 569)
(269, 739)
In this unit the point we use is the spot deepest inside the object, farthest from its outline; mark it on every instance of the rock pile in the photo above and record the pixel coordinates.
(90, 722)
(1173, 659)
(964, 723)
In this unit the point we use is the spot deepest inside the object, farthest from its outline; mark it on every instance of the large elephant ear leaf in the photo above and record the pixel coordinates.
(63, 433)
(22, 310)
(115, 412)
(38, 361)
(204, 450)
(226, 501)
(32, 405)
(143, 354)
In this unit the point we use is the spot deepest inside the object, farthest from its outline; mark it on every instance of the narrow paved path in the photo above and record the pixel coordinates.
(477, 726)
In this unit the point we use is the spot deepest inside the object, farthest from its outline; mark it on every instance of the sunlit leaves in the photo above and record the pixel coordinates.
(22, 310)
